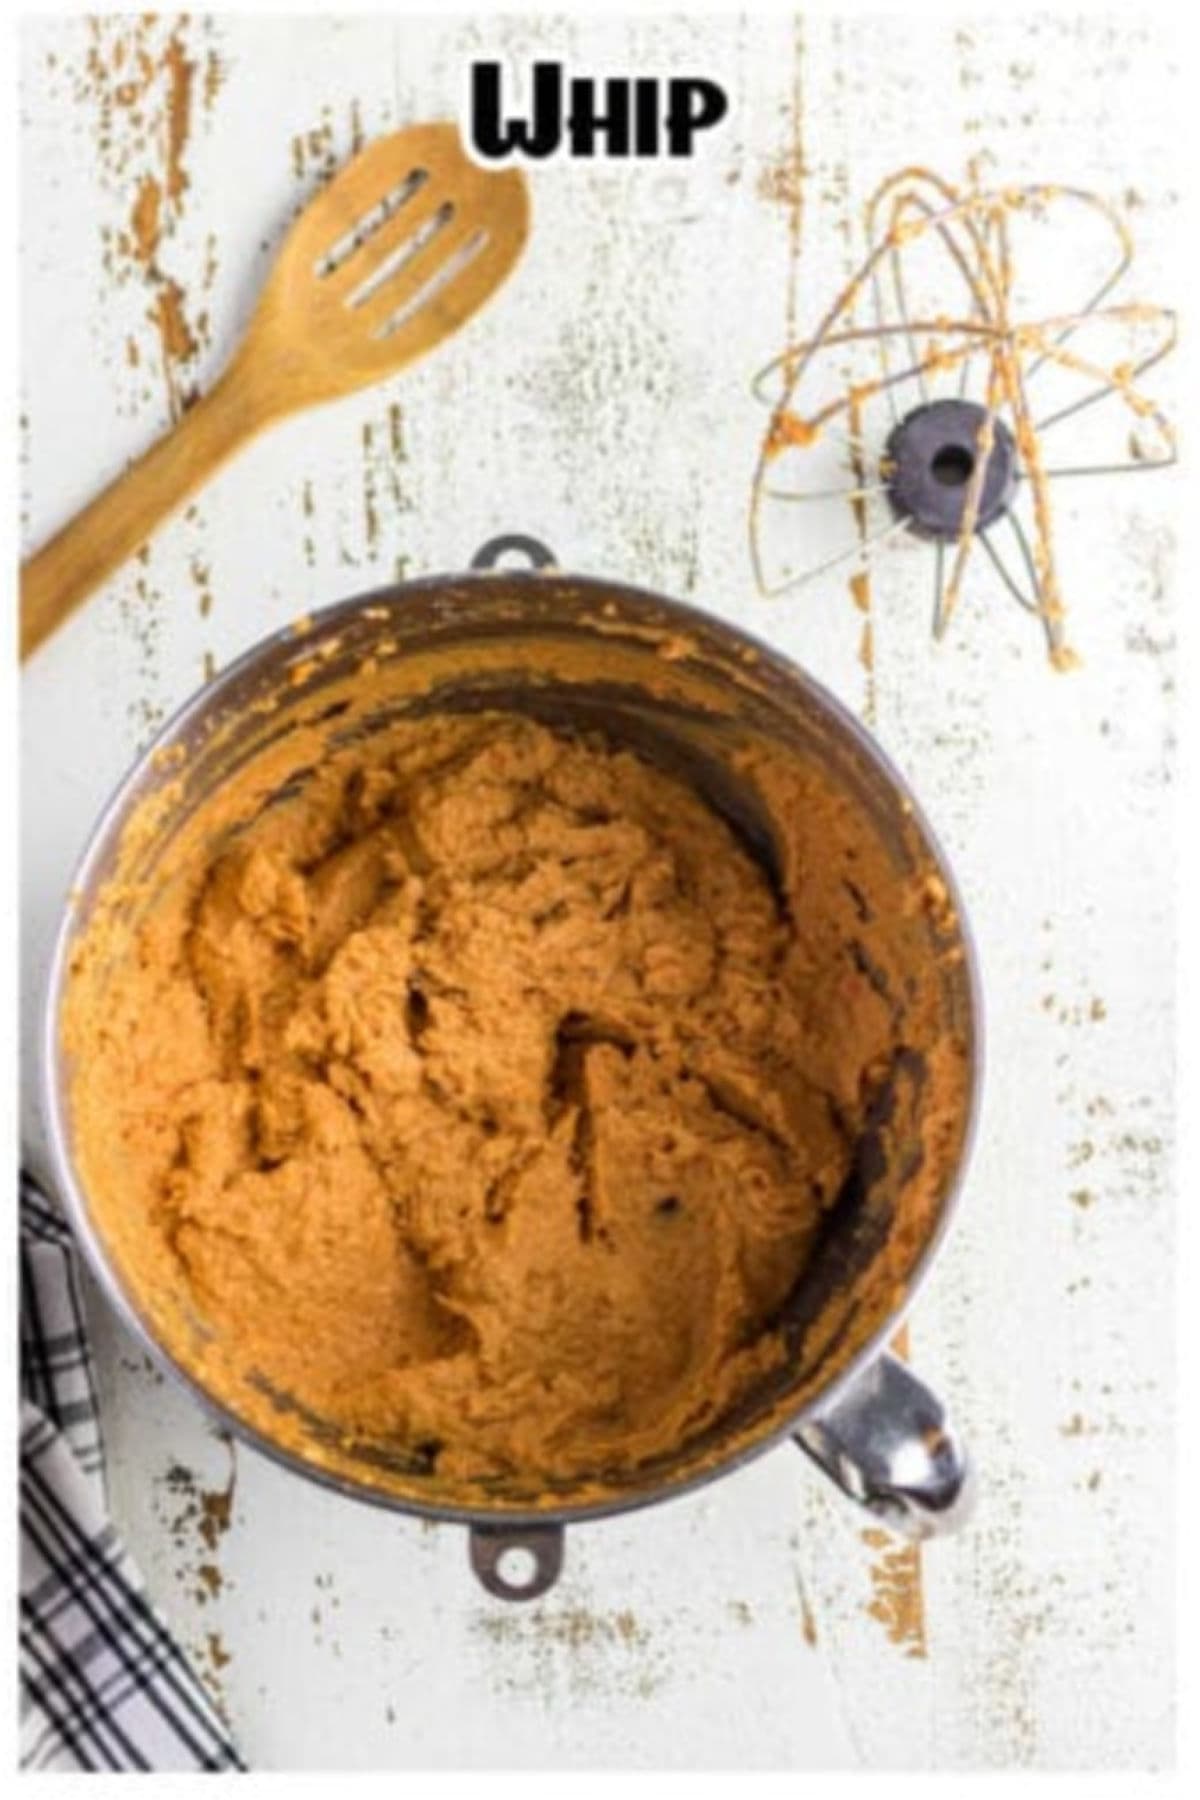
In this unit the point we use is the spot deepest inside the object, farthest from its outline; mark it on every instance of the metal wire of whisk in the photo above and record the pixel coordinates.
(942, 424)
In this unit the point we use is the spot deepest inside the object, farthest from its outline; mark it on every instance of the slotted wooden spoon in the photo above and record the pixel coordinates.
(402, 247)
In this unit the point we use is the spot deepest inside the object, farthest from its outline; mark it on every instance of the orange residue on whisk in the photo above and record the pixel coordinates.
(789, 431)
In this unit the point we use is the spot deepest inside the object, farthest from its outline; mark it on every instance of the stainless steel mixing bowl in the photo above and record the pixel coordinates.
(685, 688)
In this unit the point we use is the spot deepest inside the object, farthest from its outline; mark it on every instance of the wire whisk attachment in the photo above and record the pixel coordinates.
(953, 381)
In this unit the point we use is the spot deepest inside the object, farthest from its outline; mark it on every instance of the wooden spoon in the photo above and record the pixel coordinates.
(407, 242)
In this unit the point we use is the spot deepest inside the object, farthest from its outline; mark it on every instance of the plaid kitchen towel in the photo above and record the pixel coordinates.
(103, 1683)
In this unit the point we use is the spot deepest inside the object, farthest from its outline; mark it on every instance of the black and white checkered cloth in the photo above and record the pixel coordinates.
(103, 1683)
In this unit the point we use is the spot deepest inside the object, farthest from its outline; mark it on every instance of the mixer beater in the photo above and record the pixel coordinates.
(942, 425)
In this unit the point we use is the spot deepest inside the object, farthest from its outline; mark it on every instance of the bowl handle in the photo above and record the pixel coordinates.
(888, 1443)
(514, 543)
(541, 1551)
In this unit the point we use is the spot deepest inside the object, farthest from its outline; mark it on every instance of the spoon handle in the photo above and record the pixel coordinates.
(121, 518)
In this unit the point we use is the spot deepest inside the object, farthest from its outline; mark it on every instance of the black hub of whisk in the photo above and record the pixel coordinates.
(930, 460)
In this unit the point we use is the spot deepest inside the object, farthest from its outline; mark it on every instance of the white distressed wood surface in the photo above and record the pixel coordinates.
(603, 404)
